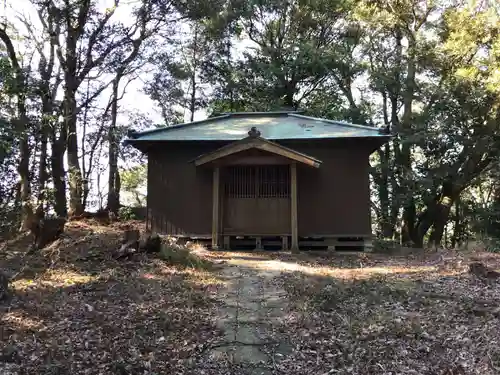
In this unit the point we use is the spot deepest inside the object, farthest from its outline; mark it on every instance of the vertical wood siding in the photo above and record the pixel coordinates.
(332, 200)
(335, 198)
(180, 194)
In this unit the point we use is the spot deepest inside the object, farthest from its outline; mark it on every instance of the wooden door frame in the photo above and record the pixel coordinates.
(217, 212)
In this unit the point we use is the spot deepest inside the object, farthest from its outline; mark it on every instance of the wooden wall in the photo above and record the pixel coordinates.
(332, 200)
(335, 198)
(180, 194)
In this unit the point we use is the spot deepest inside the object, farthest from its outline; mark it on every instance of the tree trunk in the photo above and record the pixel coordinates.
(455, 239)
(289, 88)
(72, 81)
(435, 216)
(386, 223)
(409, 210)
(85, 172)
(395, 207)
(425, 221)
(24, 175)
(74, 171)
(440, 220)
(47, 121)
(58, 174)
(42, 174)
(408, 225)
(192, 100)
(113, 204)
(449, 195)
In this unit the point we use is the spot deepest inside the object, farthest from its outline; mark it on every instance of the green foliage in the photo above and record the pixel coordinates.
(176, 85)
(298, 47)
(133, 180)
(126, 213)
(9, 204)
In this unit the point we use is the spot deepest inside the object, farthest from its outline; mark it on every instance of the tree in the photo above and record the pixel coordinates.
(296, 50)
(87, 42)
(177, 82)
(125, 57)
(45, 88)
(18, 88)
(134, 182)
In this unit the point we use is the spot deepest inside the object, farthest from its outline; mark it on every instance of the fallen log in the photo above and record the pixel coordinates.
(130, 244)
(131, 236)
(126, 250)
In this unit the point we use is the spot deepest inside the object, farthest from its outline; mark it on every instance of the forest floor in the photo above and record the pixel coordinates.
(75, 310)
(360, 314)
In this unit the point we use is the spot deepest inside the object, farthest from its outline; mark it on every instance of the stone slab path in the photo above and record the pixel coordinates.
(252, 308)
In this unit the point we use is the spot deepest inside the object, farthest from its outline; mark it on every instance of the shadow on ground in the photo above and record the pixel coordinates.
(402, 323)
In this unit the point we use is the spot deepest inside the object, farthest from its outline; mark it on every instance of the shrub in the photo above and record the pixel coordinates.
(126, 213)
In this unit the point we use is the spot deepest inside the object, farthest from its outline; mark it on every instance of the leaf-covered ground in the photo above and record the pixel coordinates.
(77, 311)
(374, 314)
(379, 315)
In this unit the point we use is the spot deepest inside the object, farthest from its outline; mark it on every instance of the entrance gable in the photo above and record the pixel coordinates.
(255, 141)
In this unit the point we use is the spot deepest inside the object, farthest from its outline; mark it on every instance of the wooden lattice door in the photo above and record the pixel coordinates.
(256, 200)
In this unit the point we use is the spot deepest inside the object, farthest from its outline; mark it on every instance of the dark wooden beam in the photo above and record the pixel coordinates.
(215, 208)
(294, 219)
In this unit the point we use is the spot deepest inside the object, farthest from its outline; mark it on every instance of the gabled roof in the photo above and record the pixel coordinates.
(255, 141)
(272, 125)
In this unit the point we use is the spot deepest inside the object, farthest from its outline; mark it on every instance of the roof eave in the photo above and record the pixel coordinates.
(133, 142)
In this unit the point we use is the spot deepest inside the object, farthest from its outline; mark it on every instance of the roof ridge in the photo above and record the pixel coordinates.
(259, 113)
(336, 122)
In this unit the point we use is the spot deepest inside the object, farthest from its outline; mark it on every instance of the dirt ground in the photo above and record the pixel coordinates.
(75, 310)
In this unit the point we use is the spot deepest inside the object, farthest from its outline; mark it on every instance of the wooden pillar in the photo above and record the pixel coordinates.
(284, 243)
(368, 245)
(215, 209)
(293, 195)
(258, 243)
(227, 242)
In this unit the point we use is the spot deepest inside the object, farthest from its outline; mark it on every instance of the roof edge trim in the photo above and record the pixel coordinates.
(272, 113)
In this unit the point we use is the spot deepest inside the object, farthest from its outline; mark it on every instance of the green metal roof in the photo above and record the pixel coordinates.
(272, 125)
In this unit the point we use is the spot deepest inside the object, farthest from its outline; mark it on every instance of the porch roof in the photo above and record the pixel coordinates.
(255, 141)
